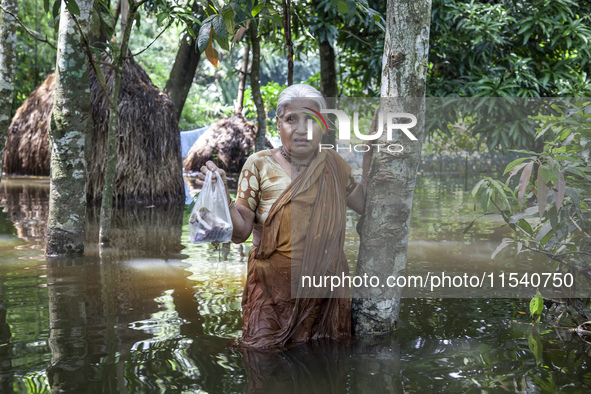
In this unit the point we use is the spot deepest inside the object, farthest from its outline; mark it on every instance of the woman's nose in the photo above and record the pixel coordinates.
(301, 126)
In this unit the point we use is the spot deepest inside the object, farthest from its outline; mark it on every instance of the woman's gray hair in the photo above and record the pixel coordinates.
(302, 91)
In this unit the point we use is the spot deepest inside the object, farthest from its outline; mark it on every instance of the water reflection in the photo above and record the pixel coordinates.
(153, 313)
(6, 373)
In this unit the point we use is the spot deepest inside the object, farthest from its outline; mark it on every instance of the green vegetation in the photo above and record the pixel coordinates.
(549, 211)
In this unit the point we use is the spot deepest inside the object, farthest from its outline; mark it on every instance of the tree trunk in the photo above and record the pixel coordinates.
(385, 228)
(107, 199)
(124, 13)
(7, 69)
(259, 143)
(242, 86)
(328, 80)
(288, 42)
(70, 125)
(182, 74)
(183, 70)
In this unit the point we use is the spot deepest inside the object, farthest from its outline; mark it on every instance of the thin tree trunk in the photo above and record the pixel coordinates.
(288, 42)
(182, 74)
(385, 228)
(109, 184)
(242, 85)
(328, 80)
(70, 126)
(256, 88)
(124, 13)
(7, 69)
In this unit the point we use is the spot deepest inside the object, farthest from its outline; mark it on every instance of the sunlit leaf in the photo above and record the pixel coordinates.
(502, 245)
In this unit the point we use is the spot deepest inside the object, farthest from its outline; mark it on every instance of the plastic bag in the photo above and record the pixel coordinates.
(210, 219)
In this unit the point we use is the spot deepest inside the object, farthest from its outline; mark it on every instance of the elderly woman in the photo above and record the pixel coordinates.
(294, 201)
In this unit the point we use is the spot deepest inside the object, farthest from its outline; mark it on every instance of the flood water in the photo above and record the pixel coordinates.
(155, 314)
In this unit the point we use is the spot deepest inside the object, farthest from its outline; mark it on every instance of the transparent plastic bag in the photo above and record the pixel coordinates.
(210, 219)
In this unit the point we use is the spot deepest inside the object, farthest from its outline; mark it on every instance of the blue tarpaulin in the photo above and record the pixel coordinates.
(188, 138)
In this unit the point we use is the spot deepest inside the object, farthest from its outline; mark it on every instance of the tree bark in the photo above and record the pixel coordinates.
(259, 143)
(242, 86)
(385, 227)
(288, 42)
(328, 80)
(69, 128)
(182, 74)
(107, 199)
(124, 13)
(7, 69)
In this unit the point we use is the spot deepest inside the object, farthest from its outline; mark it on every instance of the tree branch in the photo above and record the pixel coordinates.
(153, 41)
(357, 37)
(36, 35)
(89, 53)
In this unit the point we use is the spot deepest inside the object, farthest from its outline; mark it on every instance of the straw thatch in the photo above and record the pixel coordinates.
(149, 165)
(27, 144)
(227, 143)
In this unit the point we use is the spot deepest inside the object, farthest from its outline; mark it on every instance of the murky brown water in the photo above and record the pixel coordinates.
(156, 314)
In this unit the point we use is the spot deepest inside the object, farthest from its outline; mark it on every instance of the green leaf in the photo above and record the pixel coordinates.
(485, 198)
(72, 7)
(219, 28)
(543, 234)
(257, 9)
(468, 227)
(56, 12)
(161, 18)
(46, 6)
(229, 21)
(501, 192)
(525, 226)
(536, 305)
(477, 187)
(342, 7)
(514, 163)
(203, 37)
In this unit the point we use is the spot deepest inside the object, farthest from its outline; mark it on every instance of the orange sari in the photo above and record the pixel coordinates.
(277, 308)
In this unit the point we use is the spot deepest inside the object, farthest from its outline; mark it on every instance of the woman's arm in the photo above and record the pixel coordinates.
(242, 217)
(242, 221)
(356, 200)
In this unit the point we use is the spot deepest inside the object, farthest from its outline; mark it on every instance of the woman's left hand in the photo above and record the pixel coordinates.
(210, 166)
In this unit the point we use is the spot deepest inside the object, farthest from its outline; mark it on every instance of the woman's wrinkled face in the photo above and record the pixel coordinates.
(293, 130)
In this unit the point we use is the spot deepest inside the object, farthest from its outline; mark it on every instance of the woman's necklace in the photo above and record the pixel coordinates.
(297, 165)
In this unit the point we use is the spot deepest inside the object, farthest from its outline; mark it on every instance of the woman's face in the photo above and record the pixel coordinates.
(293, 130)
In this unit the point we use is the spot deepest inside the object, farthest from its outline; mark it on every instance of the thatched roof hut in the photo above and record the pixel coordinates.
(227, 143)
(27, 144)
(149, 164)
